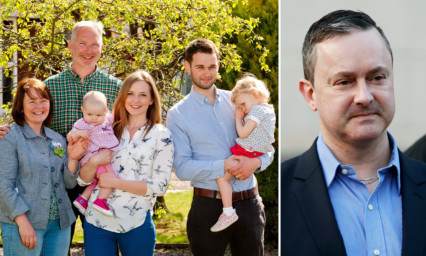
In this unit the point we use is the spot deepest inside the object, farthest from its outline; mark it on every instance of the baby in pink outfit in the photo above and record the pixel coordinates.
(97, 125)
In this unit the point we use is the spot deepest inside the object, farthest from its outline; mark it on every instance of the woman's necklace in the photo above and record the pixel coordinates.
(369, 180)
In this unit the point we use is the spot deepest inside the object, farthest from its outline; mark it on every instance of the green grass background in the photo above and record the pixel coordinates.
(171, 226)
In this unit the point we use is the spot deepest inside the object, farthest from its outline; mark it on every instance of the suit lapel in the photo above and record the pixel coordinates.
(413, 192)
(314, 202)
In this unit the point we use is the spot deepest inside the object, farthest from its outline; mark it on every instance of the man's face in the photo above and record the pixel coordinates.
(353, 91)
(203, 70)
(86, 48)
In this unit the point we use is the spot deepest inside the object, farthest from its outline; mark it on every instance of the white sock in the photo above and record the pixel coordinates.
(228, 211)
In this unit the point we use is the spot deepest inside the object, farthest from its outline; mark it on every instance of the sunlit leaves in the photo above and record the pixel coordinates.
(148, 34)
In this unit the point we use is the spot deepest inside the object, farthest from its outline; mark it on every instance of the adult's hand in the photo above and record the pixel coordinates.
(77, 147)
(230, 163)
(108, 179)
(4, 129)
(26, 231)
(245, 168)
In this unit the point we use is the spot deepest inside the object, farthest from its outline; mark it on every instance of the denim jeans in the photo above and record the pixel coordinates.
(138, 241)
(51, 241)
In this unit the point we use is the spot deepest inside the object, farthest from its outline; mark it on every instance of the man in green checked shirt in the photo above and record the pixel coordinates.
(69, 87)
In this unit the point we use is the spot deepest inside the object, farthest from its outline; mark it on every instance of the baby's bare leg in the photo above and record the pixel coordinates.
(104, 193)
(87, 192)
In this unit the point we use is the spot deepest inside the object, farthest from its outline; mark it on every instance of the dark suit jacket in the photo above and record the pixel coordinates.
(308, 223)
(418, 150)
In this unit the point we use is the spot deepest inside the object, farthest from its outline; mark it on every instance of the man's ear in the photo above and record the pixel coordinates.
(69, 45)
(187, 67)
(306, 88)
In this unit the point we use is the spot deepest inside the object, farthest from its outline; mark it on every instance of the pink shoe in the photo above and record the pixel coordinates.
(224, 222)
(101, 206)
(81, 204)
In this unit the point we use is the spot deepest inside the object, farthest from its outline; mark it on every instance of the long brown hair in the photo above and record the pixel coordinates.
(18, 102)
(153, 114)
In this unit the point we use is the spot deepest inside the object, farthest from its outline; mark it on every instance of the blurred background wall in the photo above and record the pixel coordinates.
(404, 23)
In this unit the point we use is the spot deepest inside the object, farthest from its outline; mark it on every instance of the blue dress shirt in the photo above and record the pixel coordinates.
(203, 134)
(370, 224)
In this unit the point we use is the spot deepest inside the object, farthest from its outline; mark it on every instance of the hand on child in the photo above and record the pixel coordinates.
(245, 168)
(77, 147)
(75, 135)
(230, 163)
(107, 179)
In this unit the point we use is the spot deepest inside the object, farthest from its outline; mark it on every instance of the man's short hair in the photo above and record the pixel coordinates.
(95, 25)
(200, 45)
(335, 23)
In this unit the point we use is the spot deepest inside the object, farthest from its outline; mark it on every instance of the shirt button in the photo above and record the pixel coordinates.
(345, 171)
(52, 169)
(60, 201)
(376, 252)
(370, 207)
(56, 185)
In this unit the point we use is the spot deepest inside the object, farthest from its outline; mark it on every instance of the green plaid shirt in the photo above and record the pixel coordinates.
(68, 91)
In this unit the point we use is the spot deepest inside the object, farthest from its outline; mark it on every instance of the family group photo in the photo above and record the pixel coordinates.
(139, 127)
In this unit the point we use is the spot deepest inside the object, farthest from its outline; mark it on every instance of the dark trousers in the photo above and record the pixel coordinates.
(245, 236)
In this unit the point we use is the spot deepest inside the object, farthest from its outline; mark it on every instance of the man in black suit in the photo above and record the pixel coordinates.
(353, 192)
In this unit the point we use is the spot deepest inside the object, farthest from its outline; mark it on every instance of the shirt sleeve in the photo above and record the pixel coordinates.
(266, 160)
(69, 178)
(11, 203)
(162, 164)
(186, 167)
(256, 114)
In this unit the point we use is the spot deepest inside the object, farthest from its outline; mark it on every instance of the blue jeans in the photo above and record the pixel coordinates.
(50, 241)
(138, 241)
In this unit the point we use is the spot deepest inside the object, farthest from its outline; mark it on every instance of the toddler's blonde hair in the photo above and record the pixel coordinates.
(250, 84)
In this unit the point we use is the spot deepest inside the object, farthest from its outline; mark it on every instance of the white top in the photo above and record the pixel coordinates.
(148, 159)
(262, 136)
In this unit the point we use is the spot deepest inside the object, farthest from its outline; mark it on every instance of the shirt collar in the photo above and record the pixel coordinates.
(201, 98)
(330, 164)
(30, 133)
(77, 77)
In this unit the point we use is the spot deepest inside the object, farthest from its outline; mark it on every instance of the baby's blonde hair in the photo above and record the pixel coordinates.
(250, 84)
(95, 98)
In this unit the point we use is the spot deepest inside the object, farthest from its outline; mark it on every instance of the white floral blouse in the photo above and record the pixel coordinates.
(149, 159)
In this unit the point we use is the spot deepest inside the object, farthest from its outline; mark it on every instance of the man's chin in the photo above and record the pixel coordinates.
(366, 135)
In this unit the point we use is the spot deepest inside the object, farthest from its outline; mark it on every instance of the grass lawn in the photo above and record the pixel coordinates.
(171, 226)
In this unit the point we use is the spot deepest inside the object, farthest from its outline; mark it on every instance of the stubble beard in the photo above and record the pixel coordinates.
(201, 86)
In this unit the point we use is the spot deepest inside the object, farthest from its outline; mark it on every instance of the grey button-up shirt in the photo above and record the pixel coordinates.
(28, 167)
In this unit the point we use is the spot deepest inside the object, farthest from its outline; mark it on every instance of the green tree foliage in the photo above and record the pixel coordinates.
(149, 35)
(266, 12)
